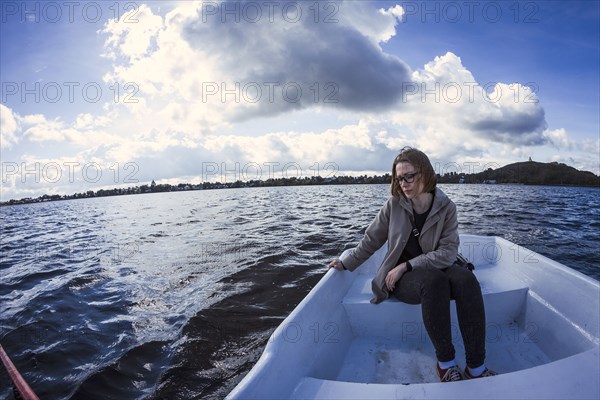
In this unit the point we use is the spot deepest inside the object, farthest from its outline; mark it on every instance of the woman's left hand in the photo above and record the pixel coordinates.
(336, 264)
(394, 276)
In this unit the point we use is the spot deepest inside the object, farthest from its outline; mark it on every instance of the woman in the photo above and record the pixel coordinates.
(419, 222)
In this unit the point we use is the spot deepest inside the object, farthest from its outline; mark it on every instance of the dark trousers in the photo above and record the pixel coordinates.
(434, 288)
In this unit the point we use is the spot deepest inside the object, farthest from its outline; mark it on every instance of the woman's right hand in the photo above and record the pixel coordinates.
(337, 264)
(394, 276)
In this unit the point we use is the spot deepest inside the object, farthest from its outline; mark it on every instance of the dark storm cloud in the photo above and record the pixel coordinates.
(514, 127)
(333, 64)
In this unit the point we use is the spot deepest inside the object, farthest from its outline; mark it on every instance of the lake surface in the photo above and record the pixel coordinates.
(174, 295)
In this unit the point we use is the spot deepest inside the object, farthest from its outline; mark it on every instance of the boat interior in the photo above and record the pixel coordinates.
(388, 342)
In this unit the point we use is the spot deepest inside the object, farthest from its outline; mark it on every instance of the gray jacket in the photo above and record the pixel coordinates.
(438, 239)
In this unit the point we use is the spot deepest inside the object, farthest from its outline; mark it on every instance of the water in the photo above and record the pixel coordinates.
(174, 295)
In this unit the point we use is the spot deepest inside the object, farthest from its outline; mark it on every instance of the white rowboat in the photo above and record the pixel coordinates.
(542, 336)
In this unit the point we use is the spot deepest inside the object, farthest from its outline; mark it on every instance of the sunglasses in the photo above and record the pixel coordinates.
(408, 178)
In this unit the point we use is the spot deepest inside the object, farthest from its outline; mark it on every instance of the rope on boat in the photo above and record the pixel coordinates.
(20, 384)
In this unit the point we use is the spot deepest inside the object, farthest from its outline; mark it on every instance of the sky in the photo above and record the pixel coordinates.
(102, 94)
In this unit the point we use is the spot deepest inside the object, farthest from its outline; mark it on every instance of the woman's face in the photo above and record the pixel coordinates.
(409, 172)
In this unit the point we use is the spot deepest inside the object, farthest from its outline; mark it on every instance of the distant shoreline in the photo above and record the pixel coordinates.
(282, 182)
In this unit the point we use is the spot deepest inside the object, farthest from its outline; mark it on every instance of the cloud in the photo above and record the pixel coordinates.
(508, 119)
(581, 154)
(378, 26)
(132, 43)
(219, 63)
(447, 109)
(559, 139)
(38, 129)
(88, 121)
(86, 131)
(8, 127)
(347, 149)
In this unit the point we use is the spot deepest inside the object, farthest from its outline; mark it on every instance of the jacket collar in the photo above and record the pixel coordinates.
(440, 200)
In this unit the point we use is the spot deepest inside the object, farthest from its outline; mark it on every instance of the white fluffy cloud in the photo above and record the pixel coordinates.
(559, 139)
(445, 100)
(8, 127)
(40, 129)
(133, 43)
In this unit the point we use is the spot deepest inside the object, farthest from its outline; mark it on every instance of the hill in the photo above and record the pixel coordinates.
(530, 173)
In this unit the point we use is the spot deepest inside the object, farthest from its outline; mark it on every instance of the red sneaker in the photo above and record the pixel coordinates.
(486, 373)
(451, 374)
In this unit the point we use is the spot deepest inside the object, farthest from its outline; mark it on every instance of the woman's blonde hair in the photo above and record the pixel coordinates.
(421, 162)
